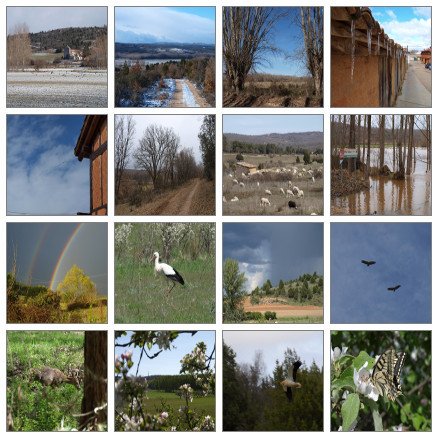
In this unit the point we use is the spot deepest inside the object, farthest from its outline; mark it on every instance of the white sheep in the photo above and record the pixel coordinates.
(235, 199)
(258, 184)
(295, 190)
(281, 190)
(300, 194)
(235, 181)
(264, 202)
(268, 192)
(224, 199)
(313, 214)
(230, 175)
(313, 179)
(241, 184)
(289, 184)
(289, 193)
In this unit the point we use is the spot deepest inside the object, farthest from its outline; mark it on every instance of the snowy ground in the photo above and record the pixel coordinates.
(189, 99)
(156, 97)
(57, 88)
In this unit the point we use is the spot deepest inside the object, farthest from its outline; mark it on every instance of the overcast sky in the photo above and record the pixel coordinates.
(256, 124)
(402, 252)
(170, 24)
(55, 17)
(168, 362)
(43, 174)
(407, 26)
(274, 250)
(273, 344)
(185, 126)
(44, 252)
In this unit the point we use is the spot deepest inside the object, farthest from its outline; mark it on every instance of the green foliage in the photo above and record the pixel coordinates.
(297, 160)
(254, 402)
(234, 291)
(34, 407)
(306, 157)
(356, 411)
(239, 157)
(270, 316)
(253, 316)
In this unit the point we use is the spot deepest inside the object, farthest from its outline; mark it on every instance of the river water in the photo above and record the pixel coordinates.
(386, 196)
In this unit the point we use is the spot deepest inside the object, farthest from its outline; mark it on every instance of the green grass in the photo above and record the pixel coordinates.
(141, 296)
(34, 407)
(202, 405)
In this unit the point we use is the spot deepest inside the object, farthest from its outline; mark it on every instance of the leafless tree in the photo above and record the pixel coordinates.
(367, 173)
(98, 57)
(124, 137)
(246, 41)
(312, 25)
(185, 166)
(382, 141)
(19, 50)
(157, 151)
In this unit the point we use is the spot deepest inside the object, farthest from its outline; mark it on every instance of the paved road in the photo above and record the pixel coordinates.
(416, 91)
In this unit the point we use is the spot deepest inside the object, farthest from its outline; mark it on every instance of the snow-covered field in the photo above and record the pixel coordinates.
(156, 97)
(57, 88)
(188, 97)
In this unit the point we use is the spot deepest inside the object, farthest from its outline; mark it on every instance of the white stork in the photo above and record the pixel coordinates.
(168, 271)
(291, 380)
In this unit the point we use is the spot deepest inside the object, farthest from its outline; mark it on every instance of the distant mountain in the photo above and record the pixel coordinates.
(75, 37)
(128, 37)
(306, 140)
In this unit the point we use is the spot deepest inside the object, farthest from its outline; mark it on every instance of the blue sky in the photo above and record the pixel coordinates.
(408, 26)
(402, 251)
(273, 344)
(165, 24)
(168, 362)
(255, 124)
(43, 174)
(38, 247)
(55, 17)
(274, 250)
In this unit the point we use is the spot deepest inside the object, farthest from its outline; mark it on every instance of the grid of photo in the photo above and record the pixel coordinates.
(217, 216)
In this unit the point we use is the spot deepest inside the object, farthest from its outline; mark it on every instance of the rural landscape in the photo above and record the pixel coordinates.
(381, 57)
(395, 400)
(165, 381)
(56, 381)
(381, 165)
(273, 57)
(42, 153)
(272, 381)
(273, 165)
(374, 262)
(165, 165)
(165, 272)
(165, 57)
(57, 273)
(53, 67)
(273, 273)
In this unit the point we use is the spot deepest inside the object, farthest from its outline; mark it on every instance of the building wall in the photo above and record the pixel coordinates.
(98, 171)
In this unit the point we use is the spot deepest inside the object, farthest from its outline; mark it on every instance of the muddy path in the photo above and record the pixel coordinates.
(187, 96)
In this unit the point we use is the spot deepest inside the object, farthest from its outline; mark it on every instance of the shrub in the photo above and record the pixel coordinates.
(239, 157)
(253, 316)
(269, 316)
(297, 160)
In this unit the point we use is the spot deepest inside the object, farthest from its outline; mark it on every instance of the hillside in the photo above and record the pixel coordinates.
(75, 37)
(305, 140)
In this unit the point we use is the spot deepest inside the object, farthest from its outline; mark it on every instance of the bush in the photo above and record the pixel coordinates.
(253, 316)
(269, 316)
(306, 157)
(239, 157)
(297, 160)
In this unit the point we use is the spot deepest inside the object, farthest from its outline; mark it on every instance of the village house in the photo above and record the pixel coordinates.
(246, 168)
(92, 144)
(367, 67)
(426, 56)
(72, 54)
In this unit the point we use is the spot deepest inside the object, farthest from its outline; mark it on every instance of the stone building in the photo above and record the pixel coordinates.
(72, 54)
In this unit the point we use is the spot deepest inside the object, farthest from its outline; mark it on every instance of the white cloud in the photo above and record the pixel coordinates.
(415, 33)
(391, 14)
(421, 11)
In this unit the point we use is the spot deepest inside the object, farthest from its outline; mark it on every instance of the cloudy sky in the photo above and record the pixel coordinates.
(45, 252)
(273, 344)
(402, 251)
(255, 124)
(185, 126)
(168, 362)
(274, 250)
(407, 26)
(170, 24)
(48, 18)
(43, 174)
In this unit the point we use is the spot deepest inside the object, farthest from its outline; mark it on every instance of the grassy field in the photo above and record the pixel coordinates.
(256, 184)
(33, 406)
(202, 405)
(141, 296)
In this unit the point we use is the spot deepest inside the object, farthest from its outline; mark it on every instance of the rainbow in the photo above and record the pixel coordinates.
(62, 254)
(41, 240)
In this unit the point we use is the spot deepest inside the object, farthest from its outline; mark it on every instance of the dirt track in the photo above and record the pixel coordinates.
(181, 201)
(283, 310)
(178, 97)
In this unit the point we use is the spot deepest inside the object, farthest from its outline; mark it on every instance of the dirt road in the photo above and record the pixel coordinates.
(179, 202)
(284, 310)
(187, 96)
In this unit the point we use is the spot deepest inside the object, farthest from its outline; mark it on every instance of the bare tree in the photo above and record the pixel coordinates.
(157, 149)
(98, 56)
(410, 143)
(124, 137)
(19, 50)
(367, 173)
(382, 141)
(185, 166)
(312, 25)
(207, 139)
(246, 41)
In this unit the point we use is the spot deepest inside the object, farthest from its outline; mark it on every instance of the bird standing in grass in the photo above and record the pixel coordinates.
(291, 380)
(168, 271)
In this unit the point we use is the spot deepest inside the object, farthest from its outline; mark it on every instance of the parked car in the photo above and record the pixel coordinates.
(428, 65)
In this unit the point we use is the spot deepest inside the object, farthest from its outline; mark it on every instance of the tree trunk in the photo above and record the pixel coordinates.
(382, 142)
(410, 145)
(95, 380)
(352, 139)
(369, 146)
(393, 143)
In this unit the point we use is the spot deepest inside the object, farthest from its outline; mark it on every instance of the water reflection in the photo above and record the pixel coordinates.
(411, 196)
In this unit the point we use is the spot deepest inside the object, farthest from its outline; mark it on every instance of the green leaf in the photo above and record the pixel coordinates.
(361, 359)
(345, 380)
(378, 425)
(350, 411)
(345, 360)
(417, 421)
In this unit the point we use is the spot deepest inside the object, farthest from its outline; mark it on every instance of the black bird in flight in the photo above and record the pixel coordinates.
(368, 262)
(291, 380)
(393, 289)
